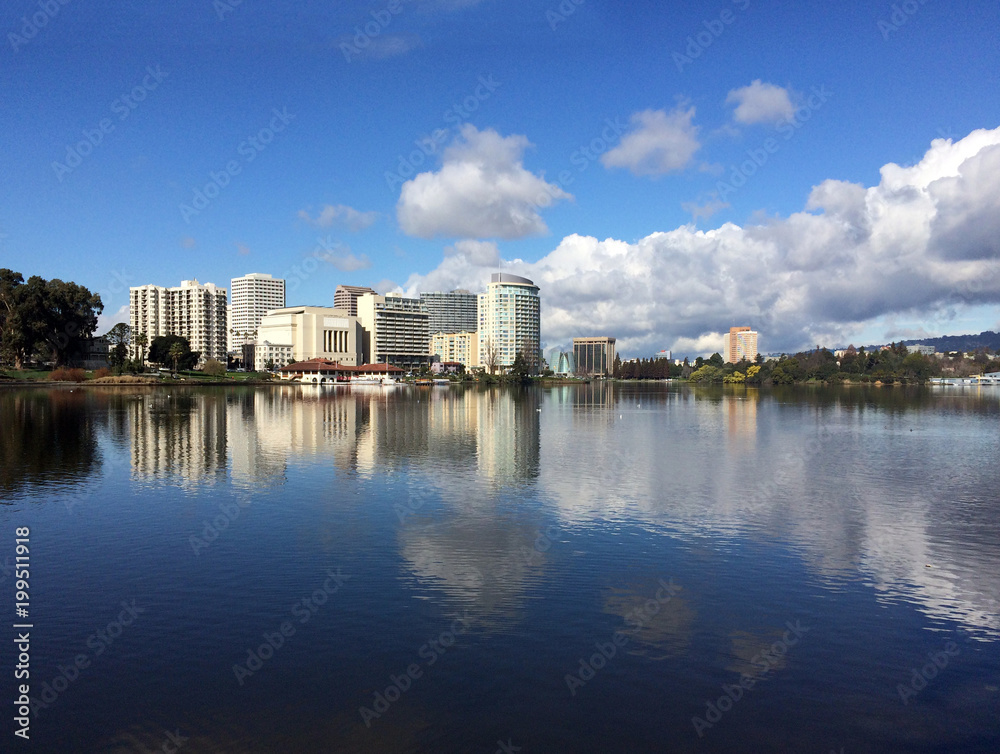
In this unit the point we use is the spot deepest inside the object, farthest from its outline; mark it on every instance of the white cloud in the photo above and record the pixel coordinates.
(855, 256)
(106, 321)
(706, 210)
(761, 103)
(659, 143)
(479, 253)
(340, 215)
(481, 191)
(340, 256)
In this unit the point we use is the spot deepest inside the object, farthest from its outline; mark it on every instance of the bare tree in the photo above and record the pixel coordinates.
(492, 355)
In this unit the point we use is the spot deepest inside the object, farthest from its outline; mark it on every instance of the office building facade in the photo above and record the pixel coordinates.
(509, 322)
(740, 343)
(300, 333)
(594, 357)
(396, 330)
(191, 310)
(346, 297)
(457, 311)
(250, 298)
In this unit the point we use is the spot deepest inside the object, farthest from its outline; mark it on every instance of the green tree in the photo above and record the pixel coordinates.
(213, 367)
(176, 353)
(160, 352)
(70, 316)
(119, 337)
(520, 368)
(140, 340)
(716, 360)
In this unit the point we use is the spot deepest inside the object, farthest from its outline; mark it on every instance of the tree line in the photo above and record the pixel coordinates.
(44, 320)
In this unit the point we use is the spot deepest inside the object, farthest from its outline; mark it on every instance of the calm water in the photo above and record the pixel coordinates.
(581, 569)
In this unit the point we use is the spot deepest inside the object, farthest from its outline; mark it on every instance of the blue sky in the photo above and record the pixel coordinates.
(600, 148)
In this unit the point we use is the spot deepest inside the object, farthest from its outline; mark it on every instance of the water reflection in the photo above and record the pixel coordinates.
(893, 486)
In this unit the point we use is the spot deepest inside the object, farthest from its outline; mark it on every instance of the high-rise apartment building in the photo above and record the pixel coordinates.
(191, 310)
(509, 322)
(461, 347)
(594, 357)
(346, 297)
(740, 343)
(396, 330)
(457, 311)
(251, 297)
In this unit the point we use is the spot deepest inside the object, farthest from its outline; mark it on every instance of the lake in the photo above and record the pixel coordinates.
(581, 568)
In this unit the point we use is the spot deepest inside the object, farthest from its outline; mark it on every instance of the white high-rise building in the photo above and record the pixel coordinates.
(252, 297)
(509, 322)
(191, 310)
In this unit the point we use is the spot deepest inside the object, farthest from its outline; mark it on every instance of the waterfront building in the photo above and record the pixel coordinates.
(300, 333)
(453, 312)
(251, 297)
(395, 330)
(346, 297)
(740, 343)
(191, 310)
(462, 347)
(509, 322)
(594, 357)
(563, 363)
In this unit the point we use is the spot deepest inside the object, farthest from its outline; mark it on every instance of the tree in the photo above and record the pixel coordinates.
(70, 318)
(716, 360)
(520, 368)
(176, 353)
(119, 337)
(141, 340)
(491, 356)
(617, 371)
(213, 367)
(160, 352)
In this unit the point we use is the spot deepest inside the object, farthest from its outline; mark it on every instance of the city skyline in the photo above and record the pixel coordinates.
(658, 199)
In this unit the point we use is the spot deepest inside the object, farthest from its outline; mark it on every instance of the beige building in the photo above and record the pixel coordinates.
(346, 297)
(191, 310)
(396, 330)
(461, 347)
(740, 343)
(298, 333)
(594, 357)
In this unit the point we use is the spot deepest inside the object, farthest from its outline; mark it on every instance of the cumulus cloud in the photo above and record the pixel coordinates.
(922, 241)
(340, 256)
(478, 253)
(659, 143)
(106, 321)
(340, 215)
(481, 191)
(761, 103)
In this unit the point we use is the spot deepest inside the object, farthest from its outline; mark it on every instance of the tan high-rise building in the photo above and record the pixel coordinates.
(741, 343)
(191, 310)
(346, 297)
(594, 357)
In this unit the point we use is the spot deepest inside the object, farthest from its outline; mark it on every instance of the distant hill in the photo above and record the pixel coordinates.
(986, 339)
